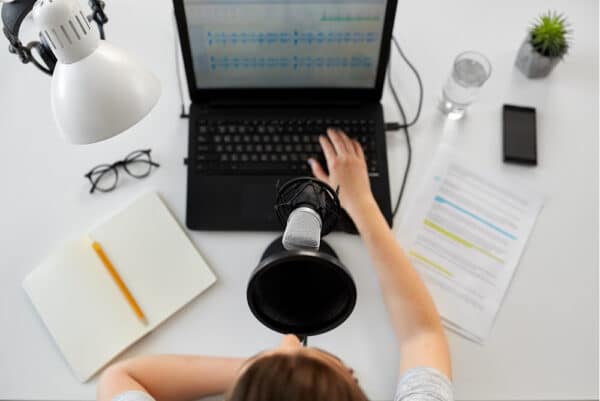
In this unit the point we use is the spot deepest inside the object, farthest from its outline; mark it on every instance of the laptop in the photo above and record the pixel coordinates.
(266, 78)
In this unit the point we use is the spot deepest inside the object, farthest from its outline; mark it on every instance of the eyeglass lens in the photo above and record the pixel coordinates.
(104, 177)
(138, 164)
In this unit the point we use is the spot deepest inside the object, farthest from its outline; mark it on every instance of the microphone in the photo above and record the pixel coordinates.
(309, 209)
(303, 230)
(300, 286)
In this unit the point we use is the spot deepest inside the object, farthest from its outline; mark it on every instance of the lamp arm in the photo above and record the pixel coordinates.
(13, 14)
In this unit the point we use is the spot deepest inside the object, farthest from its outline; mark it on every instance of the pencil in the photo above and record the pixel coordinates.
(119, 281)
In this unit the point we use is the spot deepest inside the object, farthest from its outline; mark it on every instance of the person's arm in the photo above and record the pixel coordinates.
(170, 378)
(416, 322)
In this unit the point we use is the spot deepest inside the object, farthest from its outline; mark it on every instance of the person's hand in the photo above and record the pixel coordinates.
(347, 169)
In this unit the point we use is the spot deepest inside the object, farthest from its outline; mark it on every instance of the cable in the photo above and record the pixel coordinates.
(177, 72)
(393, 89)
(101, 30)
(40, 66)
(405, 125)
(303, 339)
(98, 16)
(404, 128)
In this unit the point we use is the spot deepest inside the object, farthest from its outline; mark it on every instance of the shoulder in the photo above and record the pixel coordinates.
(133, 396)
(424, 384)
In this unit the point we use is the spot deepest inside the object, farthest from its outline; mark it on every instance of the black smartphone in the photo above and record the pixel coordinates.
(519, 131)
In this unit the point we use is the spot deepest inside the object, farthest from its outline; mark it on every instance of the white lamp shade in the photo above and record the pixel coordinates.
(101, 95)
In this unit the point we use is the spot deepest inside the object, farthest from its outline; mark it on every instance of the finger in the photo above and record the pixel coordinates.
(317, 170)
(328, 150)
(347, 141)
(359, 150)
(337, 141)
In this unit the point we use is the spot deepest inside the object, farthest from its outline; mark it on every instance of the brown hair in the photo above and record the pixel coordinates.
(294, 377)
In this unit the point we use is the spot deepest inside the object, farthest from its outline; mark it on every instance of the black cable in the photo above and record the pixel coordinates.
(405, 125)
(101, 30)
(404, 128)
(303, 339)
(419, 81)
(40, 66)
(98, 16)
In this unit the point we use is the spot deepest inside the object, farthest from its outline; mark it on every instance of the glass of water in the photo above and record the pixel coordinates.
(470, 71)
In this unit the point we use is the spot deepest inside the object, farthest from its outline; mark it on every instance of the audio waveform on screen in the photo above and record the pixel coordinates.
(292, 63)
(286, 38)
(350, 18)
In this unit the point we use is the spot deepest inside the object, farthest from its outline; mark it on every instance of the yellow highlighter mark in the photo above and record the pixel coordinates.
(430, 263)
(461, 240)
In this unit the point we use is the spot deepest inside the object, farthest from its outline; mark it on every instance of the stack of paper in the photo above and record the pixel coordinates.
(465, 234)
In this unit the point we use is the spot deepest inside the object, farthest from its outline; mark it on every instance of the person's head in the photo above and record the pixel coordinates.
(291, 372)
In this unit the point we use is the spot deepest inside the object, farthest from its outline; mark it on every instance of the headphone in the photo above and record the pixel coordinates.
(14, 13)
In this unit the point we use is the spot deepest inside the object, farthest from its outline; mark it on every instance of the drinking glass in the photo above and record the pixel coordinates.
(469, 72)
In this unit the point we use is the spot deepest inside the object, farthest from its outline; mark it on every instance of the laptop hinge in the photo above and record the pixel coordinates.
(279, 104)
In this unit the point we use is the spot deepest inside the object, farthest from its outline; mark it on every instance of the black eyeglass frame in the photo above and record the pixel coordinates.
(102, 169)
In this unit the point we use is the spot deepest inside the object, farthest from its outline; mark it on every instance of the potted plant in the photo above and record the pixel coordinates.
(546, 44)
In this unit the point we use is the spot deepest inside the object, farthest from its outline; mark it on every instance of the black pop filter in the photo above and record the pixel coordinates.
(301, 292)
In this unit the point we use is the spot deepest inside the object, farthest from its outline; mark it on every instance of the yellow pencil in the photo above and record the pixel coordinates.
(115, 275)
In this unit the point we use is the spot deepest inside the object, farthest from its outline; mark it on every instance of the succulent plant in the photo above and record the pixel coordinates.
(550, 35)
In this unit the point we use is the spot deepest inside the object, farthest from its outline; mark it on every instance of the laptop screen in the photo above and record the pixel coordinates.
(241, 44)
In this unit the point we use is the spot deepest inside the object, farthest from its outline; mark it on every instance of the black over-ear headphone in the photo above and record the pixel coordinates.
(13, 15)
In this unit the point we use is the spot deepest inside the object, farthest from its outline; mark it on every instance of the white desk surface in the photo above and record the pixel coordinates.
(544, 345)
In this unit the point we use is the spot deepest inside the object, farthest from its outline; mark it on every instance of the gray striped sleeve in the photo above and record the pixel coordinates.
(134, 395)
(424, 384)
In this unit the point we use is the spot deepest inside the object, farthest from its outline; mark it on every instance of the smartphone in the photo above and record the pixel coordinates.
(519, 131)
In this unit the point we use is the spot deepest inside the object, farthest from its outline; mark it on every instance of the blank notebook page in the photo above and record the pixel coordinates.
(83, 308)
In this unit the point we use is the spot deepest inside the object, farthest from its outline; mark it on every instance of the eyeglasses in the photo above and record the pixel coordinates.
(104, 177)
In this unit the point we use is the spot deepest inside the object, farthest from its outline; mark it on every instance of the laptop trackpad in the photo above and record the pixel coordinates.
(258, 199)
(234, 203)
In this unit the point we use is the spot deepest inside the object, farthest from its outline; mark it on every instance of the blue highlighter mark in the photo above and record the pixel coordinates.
(442, 200)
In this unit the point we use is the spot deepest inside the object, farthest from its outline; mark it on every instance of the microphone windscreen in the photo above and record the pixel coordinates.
(303, 230)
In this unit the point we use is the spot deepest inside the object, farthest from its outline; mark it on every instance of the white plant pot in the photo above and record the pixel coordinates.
(532, 64)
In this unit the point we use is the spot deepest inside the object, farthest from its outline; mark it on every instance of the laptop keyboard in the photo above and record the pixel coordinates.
(278, 147)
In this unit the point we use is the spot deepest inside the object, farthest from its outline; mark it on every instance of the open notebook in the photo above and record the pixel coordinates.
(82, 307)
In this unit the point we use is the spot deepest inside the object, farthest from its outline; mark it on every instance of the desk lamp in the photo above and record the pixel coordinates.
(98, 91)
(300, 286)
